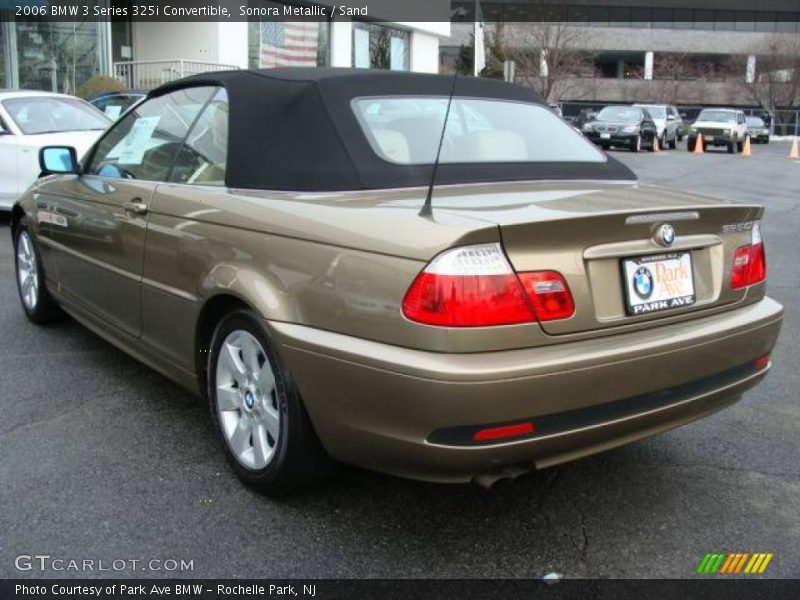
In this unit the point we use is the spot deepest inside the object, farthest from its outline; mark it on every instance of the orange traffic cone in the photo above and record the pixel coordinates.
(746, 149)
(656, 145)
(698, 145)
(794, 153)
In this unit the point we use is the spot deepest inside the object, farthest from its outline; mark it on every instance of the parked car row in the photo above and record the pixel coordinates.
(634, 127)
(637, 126)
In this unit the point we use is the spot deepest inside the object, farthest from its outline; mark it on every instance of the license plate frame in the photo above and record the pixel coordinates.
(649, 288)
(605, 136)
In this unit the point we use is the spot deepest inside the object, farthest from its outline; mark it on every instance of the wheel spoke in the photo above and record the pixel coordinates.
(250, 354)
(265, 379)
(240, 438)
(228, 397)
(261, 448)
(272, 423)
(231, 359)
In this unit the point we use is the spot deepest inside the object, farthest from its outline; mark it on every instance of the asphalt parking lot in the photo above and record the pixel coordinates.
(101, 458)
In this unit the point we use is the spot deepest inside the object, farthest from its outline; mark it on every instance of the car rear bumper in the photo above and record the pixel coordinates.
(411, 413)
(616, 139)
(717, 139)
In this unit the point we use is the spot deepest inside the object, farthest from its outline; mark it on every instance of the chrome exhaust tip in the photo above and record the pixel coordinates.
(489, 478)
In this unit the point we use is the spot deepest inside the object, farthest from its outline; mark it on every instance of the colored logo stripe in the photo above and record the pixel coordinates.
(725, 563)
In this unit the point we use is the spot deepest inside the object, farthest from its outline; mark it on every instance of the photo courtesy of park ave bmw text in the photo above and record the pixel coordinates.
(380, 299)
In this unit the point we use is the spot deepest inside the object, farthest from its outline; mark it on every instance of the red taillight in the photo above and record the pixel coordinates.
(475, 286)
(762, 362)
(549, 295)
(505, 431)
(749, 262)
(466, 300)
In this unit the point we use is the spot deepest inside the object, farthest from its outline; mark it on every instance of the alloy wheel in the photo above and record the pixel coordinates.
(247, 400)
(27, 271)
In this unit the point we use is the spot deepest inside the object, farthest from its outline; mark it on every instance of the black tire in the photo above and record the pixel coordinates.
(299, 460)
(739, 147)
(39, 307)
(731, 147)
(673, 142)
(766, 141)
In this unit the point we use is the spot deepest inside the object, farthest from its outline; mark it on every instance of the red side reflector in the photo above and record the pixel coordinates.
(506, 431)
(762, 362)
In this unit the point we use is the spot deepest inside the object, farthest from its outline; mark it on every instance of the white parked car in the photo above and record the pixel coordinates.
(30, 120)
(668, 123)
(719, 127)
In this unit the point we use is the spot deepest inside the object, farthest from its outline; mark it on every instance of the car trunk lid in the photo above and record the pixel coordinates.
(586, 231)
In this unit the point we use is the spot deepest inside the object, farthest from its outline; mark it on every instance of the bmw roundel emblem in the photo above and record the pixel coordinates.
(643, 283)
(665, 235)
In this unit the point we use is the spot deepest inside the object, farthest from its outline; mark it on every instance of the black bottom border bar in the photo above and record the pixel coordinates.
(710, 588)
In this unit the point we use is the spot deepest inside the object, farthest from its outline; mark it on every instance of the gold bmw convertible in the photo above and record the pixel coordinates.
(430, 276)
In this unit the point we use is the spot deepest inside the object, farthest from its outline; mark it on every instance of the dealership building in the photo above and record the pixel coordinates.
(61, 56)
(677, 51)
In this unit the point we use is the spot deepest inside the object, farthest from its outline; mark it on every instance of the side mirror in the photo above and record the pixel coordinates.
(58, 160)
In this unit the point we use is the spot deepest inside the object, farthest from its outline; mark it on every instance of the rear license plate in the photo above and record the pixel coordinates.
(658, 282)
(709, 138)
(605, 136)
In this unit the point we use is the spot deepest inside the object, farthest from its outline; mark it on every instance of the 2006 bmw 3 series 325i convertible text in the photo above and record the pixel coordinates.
(430, 276)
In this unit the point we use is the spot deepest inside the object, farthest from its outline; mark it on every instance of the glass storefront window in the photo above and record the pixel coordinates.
(287, 44)
(58, 57)
(377, 46)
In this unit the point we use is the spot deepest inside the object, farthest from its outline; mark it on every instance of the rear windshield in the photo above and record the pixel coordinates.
(755, 121)
(626, 114)
(407, 130)
(717, 116)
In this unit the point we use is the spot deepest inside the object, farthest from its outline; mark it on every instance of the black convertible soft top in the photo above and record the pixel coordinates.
(294, 129)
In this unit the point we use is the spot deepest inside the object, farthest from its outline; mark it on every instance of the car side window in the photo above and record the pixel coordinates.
(202, 159)
(144, 143)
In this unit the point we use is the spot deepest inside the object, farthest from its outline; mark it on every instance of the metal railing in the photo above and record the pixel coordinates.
(148, 74)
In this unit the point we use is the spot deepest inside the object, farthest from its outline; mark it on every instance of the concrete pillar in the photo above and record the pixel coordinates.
(620, 69)
(424, 52)
(750, 72)
(544, 70)
(648, 65)
(342, 43)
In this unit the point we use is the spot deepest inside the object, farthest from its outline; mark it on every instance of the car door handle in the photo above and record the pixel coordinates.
(135, 206)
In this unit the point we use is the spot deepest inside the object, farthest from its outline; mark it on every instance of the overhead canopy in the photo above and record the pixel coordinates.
(295, 129)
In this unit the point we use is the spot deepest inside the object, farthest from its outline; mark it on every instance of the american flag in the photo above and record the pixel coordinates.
(288, 44)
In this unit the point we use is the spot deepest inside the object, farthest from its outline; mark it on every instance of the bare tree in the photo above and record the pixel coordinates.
(547, 54)
(775, 81)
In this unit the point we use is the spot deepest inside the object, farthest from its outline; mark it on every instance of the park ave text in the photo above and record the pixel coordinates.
(176, 589)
